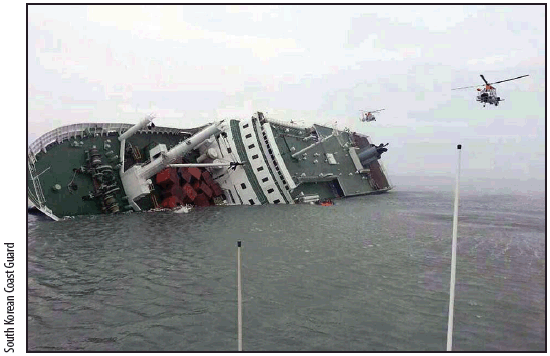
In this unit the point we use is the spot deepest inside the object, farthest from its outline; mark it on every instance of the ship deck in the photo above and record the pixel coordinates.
(55, 166)
(329, 169)
(345, 179)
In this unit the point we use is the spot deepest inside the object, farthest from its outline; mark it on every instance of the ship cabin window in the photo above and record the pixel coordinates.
(270, 152)
(287, 187)
(270, 190)
(276, 201)
(228, 149)
(245, 126)
(248, 136)
(255, 156)
(251, 201)
(243, 185)
(260, 169)
(251, 146)
(265, 179)
(284, 181)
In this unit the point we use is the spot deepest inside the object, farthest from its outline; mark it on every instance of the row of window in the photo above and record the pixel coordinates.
(251, 201)
(270, 151)
(259, 169)
(276, 201)
(270, 190)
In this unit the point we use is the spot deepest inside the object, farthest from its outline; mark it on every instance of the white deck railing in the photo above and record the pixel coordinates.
(64, 133)
(288, 124)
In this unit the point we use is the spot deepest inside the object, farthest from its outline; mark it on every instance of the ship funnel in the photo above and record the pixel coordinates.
(367, 153)
(370, 154)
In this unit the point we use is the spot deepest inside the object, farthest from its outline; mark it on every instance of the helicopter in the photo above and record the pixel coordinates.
(488, 95)
(368, 115)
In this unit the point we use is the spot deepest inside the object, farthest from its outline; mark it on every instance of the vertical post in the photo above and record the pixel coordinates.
(239, 300)
(453, 260)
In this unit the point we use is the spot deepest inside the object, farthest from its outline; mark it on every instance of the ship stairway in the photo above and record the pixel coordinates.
(39, 195)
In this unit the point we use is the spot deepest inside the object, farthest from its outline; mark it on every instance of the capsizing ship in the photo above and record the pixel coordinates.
(105, 168)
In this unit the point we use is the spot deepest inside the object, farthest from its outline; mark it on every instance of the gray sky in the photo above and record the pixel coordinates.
(194, 64)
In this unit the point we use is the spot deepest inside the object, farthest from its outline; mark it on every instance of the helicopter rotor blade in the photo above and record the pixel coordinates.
(482, 77)
(371, 111)
(506, 80)
(473, 86)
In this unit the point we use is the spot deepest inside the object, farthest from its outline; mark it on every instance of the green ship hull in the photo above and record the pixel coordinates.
(103, 168)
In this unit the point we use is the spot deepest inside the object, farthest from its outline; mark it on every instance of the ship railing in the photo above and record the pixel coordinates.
(166, 130)
(67, 132)
(287, 124)
(32, 160)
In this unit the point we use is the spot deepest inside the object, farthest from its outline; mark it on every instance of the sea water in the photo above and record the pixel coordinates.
(370, 273)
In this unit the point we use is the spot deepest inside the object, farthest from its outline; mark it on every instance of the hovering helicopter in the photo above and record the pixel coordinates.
(489, 94)
(368, 115)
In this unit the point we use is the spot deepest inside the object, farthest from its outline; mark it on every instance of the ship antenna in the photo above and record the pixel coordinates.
(453, 260)
(239, 300)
